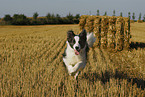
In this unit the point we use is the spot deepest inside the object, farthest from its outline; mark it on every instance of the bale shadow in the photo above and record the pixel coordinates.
(136, 45)
(107, 75)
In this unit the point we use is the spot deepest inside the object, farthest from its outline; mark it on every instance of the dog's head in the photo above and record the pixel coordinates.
(77, 42)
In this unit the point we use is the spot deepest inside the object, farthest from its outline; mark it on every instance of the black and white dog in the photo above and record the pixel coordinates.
(75, 55)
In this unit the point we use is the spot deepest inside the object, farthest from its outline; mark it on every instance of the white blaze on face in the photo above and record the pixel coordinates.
(76, 42)
(76, 45)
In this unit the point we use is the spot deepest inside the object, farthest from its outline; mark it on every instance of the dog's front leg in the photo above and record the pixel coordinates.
(76, 68)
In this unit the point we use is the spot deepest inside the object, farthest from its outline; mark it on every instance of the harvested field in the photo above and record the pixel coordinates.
(31, 65)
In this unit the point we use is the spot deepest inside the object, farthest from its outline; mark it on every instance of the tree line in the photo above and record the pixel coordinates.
(133, 17)
(21, 19)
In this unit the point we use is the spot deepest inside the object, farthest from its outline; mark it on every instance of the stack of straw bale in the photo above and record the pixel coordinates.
(126, 33)
(97, 30)
(104, 30)
(82, 22)
(89, 24)
(111, 33)
(119, 33)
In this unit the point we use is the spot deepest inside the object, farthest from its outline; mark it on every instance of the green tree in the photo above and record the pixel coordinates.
(113, 12)
(58, 19)
(90, 12)
(121, 14)
(105, 14)
(139, 16)
(98, 13)
(48, 18)
(7, 18)
(48, 15)
(76, 18)
(144, 18)
(133, 16)
(35, 15)
(129, 15)
(20, 19)
(70, 18)
(53, 19)
(57, 15)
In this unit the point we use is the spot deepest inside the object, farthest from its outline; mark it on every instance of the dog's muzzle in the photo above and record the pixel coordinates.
(77, 50)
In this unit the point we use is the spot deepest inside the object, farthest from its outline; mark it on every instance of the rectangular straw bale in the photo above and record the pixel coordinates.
(104, 31)
(89, 24)
(119, 33)
(126, 33)
(97, 30)
(82, 21)
(111, 33)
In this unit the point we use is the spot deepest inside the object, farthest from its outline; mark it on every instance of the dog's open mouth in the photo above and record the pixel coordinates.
(77, 52)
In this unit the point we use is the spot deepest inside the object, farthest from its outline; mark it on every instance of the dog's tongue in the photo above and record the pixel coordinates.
(76, 52)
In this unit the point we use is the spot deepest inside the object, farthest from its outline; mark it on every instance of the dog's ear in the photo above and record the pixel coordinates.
(70, 35)
(83, 35)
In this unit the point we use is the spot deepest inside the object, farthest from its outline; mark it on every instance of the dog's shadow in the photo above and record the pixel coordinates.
(136, 45)
(106, 76)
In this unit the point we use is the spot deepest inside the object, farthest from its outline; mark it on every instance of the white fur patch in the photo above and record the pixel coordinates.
(77, 38)
(90, 39)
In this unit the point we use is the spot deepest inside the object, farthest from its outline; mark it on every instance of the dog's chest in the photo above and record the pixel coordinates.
(73, 59)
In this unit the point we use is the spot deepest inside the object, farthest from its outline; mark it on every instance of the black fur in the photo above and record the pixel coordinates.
(70, 38)
(87, 50)
(83, 39)
(64, 54)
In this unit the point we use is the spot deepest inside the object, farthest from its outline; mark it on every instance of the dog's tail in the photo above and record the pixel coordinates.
(90, 39)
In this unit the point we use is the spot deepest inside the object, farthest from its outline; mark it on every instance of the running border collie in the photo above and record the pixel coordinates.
(75, 54)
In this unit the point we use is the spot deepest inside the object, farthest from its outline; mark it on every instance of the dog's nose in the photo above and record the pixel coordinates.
(77, 48)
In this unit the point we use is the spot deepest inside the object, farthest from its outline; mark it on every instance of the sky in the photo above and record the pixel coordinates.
(64, 7)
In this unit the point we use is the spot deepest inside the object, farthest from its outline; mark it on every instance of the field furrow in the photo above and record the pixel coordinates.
(58, 52)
